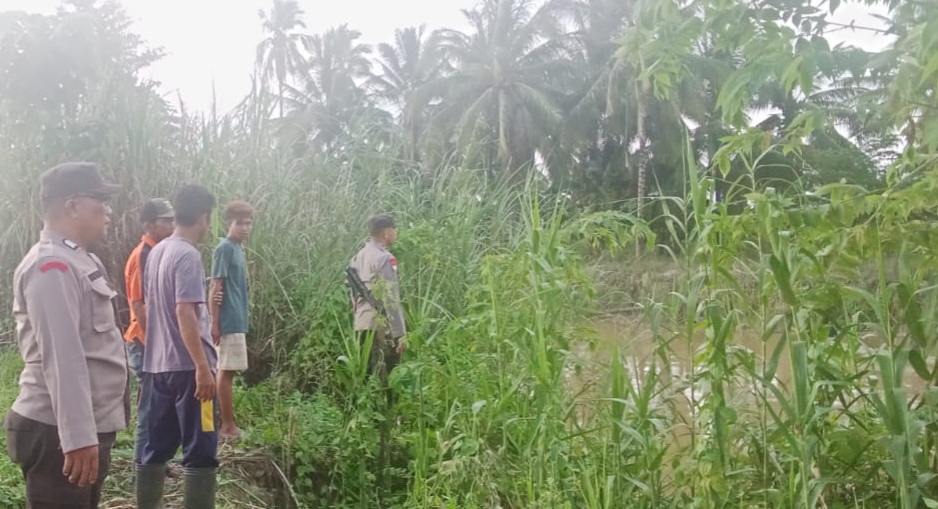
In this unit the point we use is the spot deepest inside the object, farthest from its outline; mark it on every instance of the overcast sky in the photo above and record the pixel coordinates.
(216, 40)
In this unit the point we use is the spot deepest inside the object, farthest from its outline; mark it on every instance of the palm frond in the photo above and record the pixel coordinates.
(542, 108)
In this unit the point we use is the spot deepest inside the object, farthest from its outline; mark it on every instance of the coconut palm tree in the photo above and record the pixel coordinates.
(510, 74)
(330, 94)
(619, 138)
(280, 54)
(613, 124)
(590, 152)
(412, 61)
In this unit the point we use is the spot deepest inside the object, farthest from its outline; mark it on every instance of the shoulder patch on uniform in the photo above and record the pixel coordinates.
(69, 244)
(53, 265)
(393, 262)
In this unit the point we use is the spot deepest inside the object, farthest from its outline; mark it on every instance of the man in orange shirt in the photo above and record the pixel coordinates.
(158, 220)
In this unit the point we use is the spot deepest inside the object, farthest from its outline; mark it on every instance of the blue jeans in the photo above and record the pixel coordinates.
(135, 363)
(135, 358)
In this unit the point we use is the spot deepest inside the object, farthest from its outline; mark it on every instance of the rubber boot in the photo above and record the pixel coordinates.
(199, 490)
(150, 479)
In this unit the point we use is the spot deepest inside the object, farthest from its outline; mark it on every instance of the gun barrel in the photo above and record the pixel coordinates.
(360, 290)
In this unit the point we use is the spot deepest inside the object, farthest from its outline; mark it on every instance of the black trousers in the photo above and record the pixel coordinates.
(36, 449)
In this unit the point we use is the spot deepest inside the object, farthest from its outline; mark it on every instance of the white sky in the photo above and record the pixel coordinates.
(216, 40)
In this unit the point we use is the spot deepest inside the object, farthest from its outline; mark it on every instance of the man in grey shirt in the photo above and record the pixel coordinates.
(73, 389)
(179, 361)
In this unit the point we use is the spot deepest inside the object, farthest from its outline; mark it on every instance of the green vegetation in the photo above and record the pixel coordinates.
(782, 299)
(12, 491)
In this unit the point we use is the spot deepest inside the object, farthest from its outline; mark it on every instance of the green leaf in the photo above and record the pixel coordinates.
(783, 280)
(931, 67)
(792, 74)
(771, 367)
(930, 134)
(834, 4)
(820, 44)
(924, 480)
(801, 379)
(918, 364)
(930, 37)
(769, 14)
(729, 99)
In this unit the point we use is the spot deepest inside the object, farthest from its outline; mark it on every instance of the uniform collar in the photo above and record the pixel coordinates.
(382, 247)
(58, 239)
(148, 240)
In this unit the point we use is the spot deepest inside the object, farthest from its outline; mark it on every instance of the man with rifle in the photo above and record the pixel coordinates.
(376, 301)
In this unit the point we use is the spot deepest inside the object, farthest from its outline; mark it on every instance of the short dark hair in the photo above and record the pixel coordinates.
(379, 223)
(238, 211)
(191, 202)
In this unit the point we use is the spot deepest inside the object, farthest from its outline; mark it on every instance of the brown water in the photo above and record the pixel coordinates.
(677, 395)
(678, 362)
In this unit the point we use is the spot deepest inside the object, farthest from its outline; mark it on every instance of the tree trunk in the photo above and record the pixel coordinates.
(412, 156)
(642, 164)
(280, 102)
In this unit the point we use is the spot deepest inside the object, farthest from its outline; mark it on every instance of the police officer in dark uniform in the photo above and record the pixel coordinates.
(73, 394)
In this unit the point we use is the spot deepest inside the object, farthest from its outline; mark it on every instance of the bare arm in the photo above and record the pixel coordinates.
(189, 327)
(140, 312)
(216, 291)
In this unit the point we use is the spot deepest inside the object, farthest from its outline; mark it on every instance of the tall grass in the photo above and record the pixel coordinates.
(12, 491)
(502, 401)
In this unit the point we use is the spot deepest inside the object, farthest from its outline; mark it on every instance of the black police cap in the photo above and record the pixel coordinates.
(71, 180)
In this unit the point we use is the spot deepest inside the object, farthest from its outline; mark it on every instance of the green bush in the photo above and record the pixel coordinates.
(12, 490)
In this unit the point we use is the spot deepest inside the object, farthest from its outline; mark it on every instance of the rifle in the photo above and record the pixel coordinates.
(359, 290)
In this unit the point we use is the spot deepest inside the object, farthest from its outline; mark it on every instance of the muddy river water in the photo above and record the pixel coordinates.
(682, 359)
